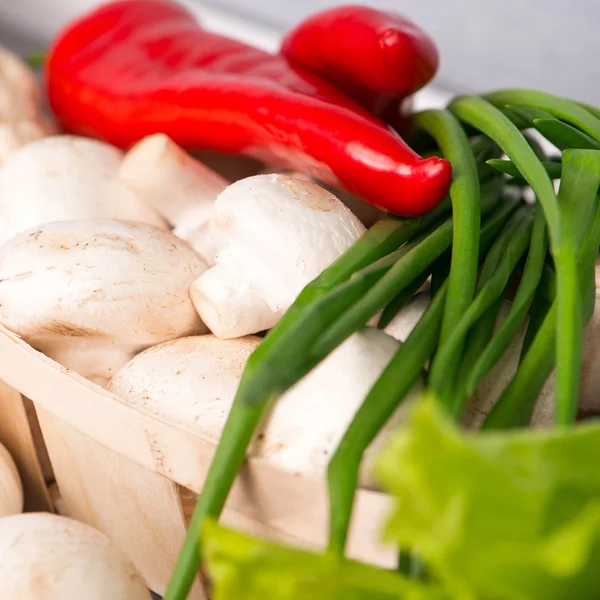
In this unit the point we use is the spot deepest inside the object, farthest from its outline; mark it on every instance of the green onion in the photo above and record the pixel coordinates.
(481, 114)
(517, 402)
(553, 169)
(577, 199)
(565, 136)
(525, 116)
(563, 109)
(409, 266)
(276, 365)
(539, 310)
(386, 395)
(466, 214)
(561, 224)
(509, 247)
(518, 310)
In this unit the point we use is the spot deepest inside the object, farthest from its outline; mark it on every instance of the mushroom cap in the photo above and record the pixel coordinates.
(106, 286)
(48, 557)
(279, 233)
(190, 382)
(65, 177)
(285, 232)
(11, 490)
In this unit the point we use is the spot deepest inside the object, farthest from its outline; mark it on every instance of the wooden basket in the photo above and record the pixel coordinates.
(137, 477)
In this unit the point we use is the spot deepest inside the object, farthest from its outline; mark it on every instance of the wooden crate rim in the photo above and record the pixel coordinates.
(281, 499)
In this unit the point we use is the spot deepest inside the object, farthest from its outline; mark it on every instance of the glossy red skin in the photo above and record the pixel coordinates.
(137, 67)
(376, 57)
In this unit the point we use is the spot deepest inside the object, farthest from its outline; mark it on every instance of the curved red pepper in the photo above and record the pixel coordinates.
(136, 67)
(376, 57)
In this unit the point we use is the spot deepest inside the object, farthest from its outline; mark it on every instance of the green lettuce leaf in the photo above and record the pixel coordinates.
(243, 568)
(498, 515)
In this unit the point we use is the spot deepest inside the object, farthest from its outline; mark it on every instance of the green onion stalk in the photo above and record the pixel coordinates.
(464, 192)
(565, 216)
(386, 395)
(502, 260)
(524, 297)
(285, 356)
(515, 406)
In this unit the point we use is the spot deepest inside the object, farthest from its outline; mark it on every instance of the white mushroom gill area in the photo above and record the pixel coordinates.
(92, 293)
(273, 234)
(66, 177)
(44, 556)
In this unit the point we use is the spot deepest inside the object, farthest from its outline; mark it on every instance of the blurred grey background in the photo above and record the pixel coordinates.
(548, 44)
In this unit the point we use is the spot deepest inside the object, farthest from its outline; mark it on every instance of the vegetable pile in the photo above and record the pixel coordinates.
(443, 355)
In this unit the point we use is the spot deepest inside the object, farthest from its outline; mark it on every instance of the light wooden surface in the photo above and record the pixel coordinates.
(137, 508)
(278, 502)
(15, 434)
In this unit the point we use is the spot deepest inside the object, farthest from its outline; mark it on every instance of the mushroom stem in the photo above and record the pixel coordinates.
(273, 235)
(178, 186)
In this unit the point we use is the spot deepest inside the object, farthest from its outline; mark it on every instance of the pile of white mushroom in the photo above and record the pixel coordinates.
(152, 275)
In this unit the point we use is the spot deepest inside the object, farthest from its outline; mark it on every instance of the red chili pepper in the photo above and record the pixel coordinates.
(378, 58)
(136, 67)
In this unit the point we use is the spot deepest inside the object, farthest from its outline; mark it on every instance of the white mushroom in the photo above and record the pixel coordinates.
(191, 382)
(21, 120)
(273, 235)
(175, 184)
(48, 557)
(306, 425)
(62, 178)
(407, 318)
(366, 213)
(11, 490)
(90, 294)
